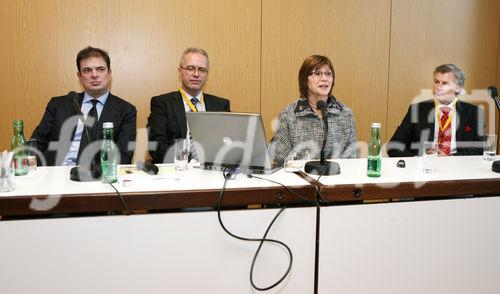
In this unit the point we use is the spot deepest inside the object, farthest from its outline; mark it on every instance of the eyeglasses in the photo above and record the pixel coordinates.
(318, 74)
(192, 69)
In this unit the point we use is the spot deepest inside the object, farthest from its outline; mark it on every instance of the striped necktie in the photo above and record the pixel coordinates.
(444, 136)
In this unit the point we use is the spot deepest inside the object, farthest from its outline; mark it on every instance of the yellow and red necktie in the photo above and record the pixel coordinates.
(444, 135)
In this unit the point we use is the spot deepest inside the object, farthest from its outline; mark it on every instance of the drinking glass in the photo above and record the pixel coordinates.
(490, 147)
(429, 157)
(181, 154)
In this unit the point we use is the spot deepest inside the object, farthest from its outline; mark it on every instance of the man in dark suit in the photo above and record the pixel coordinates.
(167, 120)
(62, 136)
(457, 126)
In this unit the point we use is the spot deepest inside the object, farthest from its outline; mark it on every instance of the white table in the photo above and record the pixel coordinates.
(438, 246)
(456, 175)
(156, 253)
(50, 191)
(434, 246)
(179, 252)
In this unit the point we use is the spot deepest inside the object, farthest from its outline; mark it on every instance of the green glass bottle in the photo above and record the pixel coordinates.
(374, 158)
(109, 155)
(18, 142)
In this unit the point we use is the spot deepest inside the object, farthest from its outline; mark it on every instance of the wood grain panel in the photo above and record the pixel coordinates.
(148, 38)
(425, 34)
(353, 34)
(40, 40)
(383, 55)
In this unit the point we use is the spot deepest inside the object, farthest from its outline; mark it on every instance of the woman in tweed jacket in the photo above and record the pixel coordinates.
(301, 127)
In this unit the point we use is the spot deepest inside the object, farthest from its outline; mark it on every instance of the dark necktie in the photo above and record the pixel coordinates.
(444, 136)
(89, 133)
(192, 150)
(194, 101)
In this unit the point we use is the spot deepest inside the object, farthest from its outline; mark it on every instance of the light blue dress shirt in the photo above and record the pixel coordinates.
(70, 158)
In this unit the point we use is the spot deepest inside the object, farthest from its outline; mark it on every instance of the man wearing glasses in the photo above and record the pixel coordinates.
(167, 120)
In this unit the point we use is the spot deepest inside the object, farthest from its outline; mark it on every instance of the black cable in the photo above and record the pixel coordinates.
(128, 211)
(322, 174)
(258, 251)
(315, 202)
(227, 175)
(322, 199)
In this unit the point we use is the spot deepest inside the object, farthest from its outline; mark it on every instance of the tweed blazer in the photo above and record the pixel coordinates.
(301, 131)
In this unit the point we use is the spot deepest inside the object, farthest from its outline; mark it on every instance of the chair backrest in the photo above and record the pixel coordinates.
(270, 149)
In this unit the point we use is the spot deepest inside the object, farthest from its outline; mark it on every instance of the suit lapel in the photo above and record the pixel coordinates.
(460, 118)
(428, 116)
(64, 113)
(72, 112)
(180, 112)
(80, 99)
(209, 103)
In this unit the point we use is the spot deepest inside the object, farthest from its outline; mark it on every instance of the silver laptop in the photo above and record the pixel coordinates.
(230, 140)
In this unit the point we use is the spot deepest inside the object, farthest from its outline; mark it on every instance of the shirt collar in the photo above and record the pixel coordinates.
(452, 104)
(102, 99)
(197, 96)
(332, 105)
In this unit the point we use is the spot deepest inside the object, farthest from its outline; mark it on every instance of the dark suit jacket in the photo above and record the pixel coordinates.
(167, 120)
(418, 126)
(60, 110)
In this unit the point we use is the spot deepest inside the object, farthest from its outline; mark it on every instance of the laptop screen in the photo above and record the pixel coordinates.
(229, 139)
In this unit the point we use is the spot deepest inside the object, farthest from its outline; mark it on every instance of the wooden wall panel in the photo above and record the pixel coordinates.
(383, 51)
(40, 40)
(353, 34)
(148, 37)
(427, 33)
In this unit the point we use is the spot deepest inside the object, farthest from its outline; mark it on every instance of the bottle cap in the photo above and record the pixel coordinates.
(376, 125)
(107, 125)
(18, 122)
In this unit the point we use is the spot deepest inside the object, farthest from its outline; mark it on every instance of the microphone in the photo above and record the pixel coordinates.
(82, 173)
(493, 92)
(321, 105)
(76, 107)
(322, 167)
(148, 167)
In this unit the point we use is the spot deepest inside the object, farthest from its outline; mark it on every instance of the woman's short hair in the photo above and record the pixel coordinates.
(311, 63)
